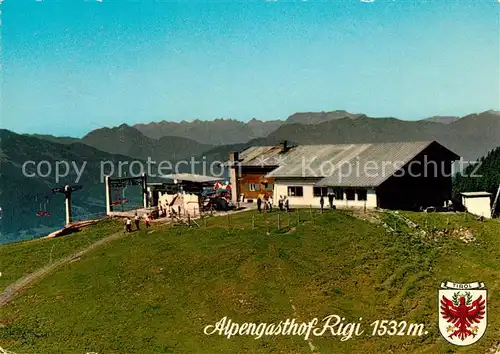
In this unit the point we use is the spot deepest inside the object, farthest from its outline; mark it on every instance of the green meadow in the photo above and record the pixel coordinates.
(155, 291)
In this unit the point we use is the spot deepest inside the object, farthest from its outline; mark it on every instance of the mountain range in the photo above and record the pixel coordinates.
(126, 140)
(216, 132)
(443, 119)
(471, 137)
(22, 196)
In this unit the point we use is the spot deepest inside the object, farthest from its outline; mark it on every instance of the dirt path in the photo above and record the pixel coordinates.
(13, 289)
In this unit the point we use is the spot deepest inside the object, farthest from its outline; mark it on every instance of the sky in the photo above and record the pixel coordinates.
(69, 67)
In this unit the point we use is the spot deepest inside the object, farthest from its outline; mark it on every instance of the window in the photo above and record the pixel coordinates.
(361, 194)
(253, 187)
(269, 187)
(349, 194)
(295, 191)
(320, 191)
(339, 194)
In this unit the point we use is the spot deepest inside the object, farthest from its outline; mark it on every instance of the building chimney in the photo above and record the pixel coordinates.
(234, 174)
(284, 146)
(234, 156)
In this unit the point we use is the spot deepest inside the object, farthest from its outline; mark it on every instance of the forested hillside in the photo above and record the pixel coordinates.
(482, 177)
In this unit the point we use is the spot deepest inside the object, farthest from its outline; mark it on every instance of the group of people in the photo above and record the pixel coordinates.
(164, 211)
(283, 203)
(266, 203)
(265, 200)
(158, 212)
(331, 198)
(137, 221)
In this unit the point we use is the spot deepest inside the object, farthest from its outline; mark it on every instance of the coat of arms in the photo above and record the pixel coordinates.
(462, 312)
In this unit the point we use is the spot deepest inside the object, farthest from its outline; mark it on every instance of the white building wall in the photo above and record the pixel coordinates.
(308, 199)
(188, 202)
(478, 205)
(371, 198)
(281, 189)
(370, 202)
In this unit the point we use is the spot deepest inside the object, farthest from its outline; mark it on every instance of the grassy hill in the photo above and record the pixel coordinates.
(154, 292)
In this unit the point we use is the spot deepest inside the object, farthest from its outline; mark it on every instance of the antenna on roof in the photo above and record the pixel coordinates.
(284, 146)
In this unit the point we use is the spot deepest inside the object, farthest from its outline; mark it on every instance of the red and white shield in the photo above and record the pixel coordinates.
(462, 312)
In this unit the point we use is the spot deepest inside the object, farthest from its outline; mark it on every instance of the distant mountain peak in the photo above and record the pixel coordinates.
(442, 119)
(219, 131)
(320, 117)
(124, 126)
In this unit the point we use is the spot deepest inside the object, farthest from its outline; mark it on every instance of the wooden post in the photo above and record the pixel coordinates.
(189, 219)
(253, 221)
(108, 197)
(364, 207)
(298, 216)
(278, 221)
(144, 191)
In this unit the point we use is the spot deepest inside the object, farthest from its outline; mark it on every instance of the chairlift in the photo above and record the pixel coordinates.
(119, 199)
(42, 211)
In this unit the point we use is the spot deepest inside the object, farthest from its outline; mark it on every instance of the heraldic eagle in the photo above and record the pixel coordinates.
(462, 314)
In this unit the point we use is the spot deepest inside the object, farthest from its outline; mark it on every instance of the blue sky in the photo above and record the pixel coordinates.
(72, 66)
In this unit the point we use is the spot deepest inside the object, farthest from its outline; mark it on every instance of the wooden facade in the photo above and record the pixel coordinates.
(252, 182)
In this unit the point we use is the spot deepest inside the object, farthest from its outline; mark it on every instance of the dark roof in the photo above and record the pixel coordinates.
(355, 165)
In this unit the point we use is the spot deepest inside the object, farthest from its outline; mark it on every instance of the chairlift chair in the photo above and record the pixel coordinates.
(43, 212)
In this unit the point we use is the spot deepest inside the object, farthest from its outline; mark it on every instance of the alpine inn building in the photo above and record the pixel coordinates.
(395, 175)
